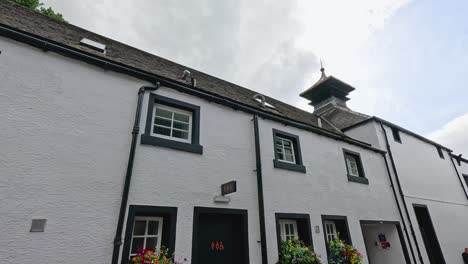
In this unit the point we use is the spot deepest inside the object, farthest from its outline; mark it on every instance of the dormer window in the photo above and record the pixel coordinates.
(440, 151)
(396, 134)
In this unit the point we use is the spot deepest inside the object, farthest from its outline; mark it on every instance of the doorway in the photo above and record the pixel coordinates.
(384, 242)
(219, 236)
(428, 234)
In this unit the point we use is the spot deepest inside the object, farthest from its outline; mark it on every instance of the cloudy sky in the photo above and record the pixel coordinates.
(408, 59)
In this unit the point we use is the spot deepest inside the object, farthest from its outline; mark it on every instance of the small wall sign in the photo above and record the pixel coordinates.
(228, 187)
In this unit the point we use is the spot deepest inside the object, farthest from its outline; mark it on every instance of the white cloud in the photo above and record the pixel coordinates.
(269, 46)
(453, 134)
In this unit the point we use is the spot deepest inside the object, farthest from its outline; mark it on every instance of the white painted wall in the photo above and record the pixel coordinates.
(65, 137)
(64, 140)
(378, 255)
(427, 179)
(324, 189)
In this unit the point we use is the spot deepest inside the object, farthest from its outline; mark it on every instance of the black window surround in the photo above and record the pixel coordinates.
(341, 223)
(303, 227)
(465, 177)
(148, 139)
(396, 135)
(169, 215)
(299, 167)
(362, 176)
(441, 153)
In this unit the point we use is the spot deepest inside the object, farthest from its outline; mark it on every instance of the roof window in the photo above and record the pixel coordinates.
(93, 45)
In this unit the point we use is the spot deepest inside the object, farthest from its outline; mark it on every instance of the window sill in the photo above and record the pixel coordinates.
(358, 179)
(289, 166)
(172, 144)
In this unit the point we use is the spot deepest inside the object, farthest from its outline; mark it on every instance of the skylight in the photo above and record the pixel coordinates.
(93, 45)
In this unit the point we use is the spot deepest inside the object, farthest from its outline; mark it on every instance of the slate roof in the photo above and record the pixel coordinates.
(342, 117)
(34, 23)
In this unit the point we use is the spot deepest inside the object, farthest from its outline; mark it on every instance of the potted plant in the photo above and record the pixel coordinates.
(295, 252)
(342, 253)
(149, 256)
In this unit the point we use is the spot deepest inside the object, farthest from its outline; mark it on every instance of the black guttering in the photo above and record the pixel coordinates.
(128, 175)
(399, 208)
(459, 177)
(379, 120)
(400, 190)
(261, 208)
(49, 45)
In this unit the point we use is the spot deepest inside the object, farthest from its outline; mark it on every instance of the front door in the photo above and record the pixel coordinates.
(221, 239)
(429, 235)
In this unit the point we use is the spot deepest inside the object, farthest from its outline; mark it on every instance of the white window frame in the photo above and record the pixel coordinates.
(330, 230)
(278, 137)
(146, 236)
(349, 164)
(283, 223)
(173, 110)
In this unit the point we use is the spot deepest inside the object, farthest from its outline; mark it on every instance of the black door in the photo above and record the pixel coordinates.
(429, 236)
(221, 239)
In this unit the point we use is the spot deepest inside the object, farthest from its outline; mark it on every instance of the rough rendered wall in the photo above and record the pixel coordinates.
(64, 140)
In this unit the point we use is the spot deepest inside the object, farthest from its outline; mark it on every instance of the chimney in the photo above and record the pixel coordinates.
(328, 92)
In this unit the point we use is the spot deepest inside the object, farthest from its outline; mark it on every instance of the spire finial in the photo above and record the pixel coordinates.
(322, 70)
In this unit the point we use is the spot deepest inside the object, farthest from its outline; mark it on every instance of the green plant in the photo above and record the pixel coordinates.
(38, 7)
(342, 253)
(295, 252)
(149, 256)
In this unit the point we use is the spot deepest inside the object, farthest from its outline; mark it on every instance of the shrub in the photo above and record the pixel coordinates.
(342, 253)
(295, 252)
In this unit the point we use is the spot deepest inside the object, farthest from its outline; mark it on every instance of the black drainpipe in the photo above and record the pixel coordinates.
(128, 175)
(261, 208)
(401, 192)
(458, 174)
(399, 208)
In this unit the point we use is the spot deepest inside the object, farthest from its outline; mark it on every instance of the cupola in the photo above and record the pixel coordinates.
(327, 92)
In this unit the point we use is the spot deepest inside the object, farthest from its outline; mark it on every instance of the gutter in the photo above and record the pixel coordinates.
(400, 190)
(128, 175)
(261, 208)
(399, 208)
(380, 120)
(49, 45)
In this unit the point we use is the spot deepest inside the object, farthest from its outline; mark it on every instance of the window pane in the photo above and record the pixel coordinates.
(162, 122)
(278, 142)
(163, 113)
(180, 134)
(139, 228)
(289, 157)
(162, 131)
(136, 244)
(287, 143)
(280, 156)
(180, 125)
(153, 227)
(151, 242)
(288, 151)
(181, 117)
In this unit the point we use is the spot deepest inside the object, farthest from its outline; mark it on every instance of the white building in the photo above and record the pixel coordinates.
(71, 192)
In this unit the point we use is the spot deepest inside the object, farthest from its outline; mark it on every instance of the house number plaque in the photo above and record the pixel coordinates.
(217, 246)
(228, 188)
